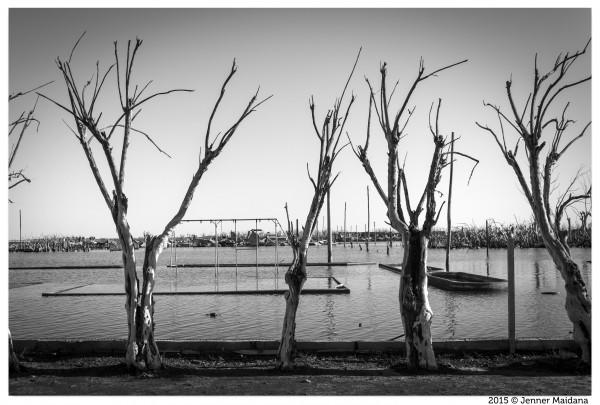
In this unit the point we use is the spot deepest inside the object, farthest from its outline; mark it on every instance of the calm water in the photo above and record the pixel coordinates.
(369, 312)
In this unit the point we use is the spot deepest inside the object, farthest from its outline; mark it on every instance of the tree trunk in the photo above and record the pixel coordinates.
(13, 360)
(149, 352)
(131, 289)
(578, 303)
(294, 278)
(414, 303)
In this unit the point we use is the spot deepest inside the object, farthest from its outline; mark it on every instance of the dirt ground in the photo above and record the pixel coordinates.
(556, 373)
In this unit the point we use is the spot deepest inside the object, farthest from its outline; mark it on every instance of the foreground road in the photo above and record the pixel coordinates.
(339, 375)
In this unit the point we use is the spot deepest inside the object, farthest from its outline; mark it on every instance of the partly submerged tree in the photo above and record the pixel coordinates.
(329, 137)
(141, 345)
(414, 303)
(16, 177)
(532, 125)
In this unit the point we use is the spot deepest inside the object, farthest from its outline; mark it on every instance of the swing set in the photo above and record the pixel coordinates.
(237, 246)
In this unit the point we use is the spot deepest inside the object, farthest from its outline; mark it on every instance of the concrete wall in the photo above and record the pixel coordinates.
(268, 347)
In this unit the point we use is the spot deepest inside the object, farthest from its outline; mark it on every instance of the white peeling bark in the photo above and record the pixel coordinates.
(295, 279)
(13, 360)
(414, 304)
(149, 350)
(578, 303)
(131, 291)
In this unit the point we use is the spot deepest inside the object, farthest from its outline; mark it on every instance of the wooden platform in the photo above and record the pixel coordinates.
(212, 265)
(188, 265)
(313, 285)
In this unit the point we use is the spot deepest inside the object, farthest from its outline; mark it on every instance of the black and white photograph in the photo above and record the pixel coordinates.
(329, 200)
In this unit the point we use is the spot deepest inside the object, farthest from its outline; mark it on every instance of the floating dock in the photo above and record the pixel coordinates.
(313, 285)
(187, 265)
(212, 265)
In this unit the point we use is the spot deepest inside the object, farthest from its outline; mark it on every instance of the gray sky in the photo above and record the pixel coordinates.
(292, 54)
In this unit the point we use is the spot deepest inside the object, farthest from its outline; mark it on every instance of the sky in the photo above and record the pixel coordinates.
(292, 54)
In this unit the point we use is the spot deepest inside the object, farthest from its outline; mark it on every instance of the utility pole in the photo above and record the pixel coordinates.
(20, 239)
(374, 234)
(449, 237)
(329, 242)
(368, 219)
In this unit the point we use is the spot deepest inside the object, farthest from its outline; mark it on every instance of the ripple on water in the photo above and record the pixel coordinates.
(369, 312)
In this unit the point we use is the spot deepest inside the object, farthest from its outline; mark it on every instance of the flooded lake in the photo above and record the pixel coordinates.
(369, 312)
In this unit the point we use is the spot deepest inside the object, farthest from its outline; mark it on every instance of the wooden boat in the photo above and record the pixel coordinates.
(455, 280)
(461, 281)
(397, 268)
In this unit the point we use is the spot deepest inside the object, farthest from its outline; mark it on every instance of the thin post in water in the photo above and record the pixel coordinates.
(511, 291)
(368, 219)
(175, 242)
(171, 258)
(487, 240)
(276, 256)
(329, 242)
(344, 223)
(449, 235)
(216, 252)
(236, 247)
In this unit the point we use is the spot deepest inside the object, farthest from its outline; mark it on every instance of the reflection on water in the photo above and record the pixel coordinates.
(369, 312)
(450, 308)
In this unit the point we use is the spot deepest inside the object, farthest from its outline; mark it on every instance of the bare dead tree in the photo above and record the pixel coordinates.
(585, 212)
(531, 127)
(329, 134)
(583, 217)
(213, 146)
(16, 177)
(415, 310)
(141, 345)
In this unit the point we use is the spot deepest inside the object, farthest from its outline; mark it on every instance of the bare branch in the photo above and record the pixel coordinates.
(162, 93)
(311, 104)
(444, 68)
(349, 77)
(438, 214)
(15, 95)
(310, 177)
(75, 46)
(149, 138)
(573, 140)
(469, 157)
(206, 139)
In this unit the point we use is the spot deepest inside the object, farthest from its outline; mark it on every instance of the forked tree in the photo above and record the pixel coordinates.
(328, 133)
(415, 310)
(142, 350)
(534, 126)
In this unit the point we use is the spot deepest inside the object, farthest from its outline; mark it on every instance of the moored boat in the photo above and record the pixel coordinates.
(461, 281)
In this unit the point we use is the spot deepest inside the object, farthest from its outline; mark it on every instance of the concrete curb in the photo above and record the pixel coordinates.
(268, 347)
